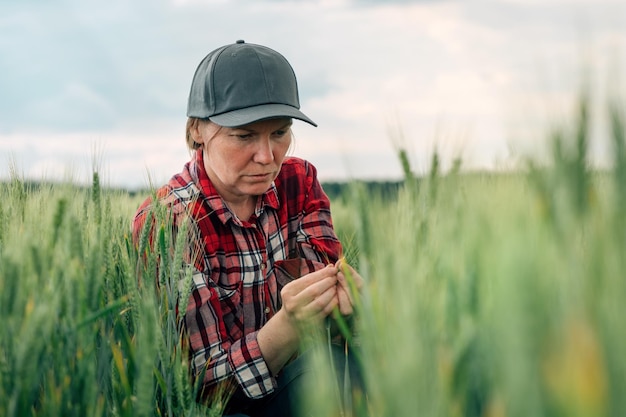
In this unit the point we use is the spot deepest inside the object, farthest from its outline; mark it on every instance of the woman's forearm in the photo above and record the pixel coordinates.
(278, 341)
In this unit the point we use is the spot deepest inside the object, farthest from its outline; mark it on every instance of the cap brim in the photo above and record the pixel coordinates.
(249, 115)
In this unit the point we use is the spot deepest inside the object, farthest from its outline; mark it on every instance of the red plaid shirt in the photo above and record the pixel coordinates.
(242, 265)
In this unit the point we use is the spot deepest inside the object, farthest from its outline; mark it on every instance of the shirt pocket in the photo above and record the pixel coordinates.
(286, 270)
(231, 308)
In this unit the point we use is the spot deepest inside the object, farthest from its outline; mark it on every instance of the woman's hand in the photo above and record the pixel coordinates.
(312, 297)
(306, 300)
(344, 294)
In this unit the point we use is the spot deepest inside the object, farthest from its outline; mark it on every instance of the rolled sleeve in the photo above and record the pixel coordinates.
(249, 367)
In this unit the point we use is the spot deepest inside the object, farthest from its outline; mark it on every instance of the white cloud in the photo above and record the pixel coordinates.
(455, 76)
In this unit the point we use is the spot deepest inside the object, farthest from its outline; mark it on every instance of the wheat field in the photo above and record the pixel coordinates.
(486, 295)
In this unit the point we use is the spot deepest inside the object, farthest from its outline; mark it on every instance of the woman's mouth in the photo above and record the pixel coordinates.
(261, 177)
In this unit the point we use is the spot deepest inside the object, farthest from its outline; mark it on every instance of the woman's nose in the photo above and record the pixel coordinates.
(264, 153)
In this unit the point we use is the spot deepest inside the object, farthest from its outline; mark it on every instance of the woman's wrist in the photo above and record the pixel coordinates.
(278, 340)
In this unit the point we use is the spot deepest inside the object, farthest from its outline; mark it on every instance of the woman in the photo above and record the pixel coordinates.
(258, 221)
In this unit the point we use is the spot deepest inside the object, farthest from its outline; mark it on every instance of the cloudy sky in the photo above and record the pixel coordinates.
(106, 83)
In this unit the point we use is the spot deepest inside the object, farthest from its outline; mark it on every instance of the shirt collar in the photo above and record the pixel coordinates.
(213, 198)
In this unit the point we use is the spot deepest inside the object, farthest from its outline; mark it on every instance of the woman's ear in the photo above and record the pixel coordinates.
(202, 131)
(195, 132)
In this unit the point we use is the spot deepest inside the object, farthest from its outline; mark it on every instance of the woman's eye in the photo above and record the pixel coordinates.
(244, 136)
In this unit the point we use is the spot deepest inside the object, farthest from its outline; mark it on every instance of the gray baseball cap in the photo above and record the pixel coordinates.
(242, 83)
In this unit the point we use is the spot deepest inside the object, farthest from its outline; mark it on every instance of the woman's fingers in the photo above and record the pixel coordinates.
(312, 296)
(300, 284)
(347, 270)
(315, 295)
(321, 306)
(344, 292)
(344, 301)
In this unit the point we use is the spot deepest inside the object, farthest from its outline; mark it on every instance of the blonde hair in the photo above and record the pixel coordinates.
(192, 123)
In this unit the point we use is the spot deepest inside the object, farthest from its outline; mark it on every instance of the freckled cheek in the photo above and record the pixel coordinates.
(233, 167)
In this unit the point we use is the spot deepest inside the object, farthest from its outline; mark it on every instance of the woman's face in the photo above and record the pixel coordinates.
(243, 161)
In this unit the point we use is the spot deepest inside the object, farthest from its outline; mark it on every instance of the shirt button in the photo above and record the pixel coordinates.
(263, 266)
(267, 310)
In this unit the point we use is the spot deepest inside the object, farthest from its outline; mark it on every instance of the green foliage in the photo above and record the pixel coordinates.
(485, 295)
(79, 335)
(495, 294)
